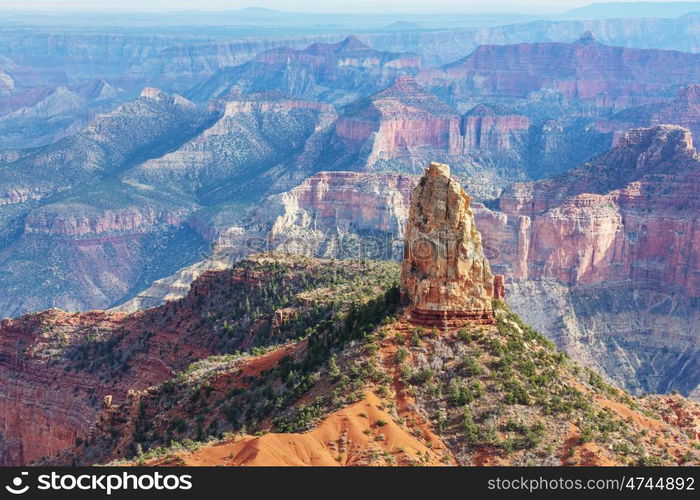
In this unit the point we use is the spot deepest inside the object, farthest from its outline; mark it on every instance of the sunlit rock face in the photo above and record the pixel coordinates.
(445, 276)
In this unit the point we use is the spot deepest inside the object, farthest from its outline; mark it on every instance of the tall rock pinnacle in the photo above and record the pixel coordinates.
(445, 277)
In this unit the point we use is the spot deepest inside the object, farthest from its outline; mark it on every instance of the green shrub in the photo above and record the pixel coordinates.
(459, 393)
(401, 355)
(470, 366)
(422, 376)
(471, 430)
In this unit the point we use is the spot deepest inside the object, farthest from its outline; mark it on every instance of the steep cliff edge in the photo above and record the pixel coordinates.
(617, 217)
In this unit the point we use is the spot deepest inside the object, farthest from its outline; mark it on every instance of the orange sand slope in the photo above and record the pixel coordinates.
(360, 434)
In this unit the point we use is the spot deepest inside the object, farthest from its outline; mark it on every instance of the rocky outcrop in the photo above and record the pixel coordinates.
(358, 215)
(611, 247)
(609, 280)
(444, 276)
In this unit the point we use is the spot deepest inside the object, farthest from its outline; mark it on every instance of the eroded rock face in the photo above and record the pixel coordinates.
(444, 276)
(601, 259)
(486, 129)
(616, 218)
(604, 259)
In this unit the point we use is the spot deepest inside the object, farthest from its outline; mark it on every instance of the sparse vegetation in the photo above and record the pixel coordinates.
(502, 389)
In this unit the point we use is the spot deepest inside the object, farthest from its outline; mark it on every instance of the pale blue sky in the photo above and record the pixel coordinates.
(538, 6)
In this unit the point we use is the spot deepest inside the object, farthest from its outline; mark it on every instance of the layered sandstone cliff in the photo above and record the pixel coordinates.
(407, 120)
(616, 218)
(342, 201)
(562, 245)
(606, 259)
(603, 258)
(490, 129)
(400, 120)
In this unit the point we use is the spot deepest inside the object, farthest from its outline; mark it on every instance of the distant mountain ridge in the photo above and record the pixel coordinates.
(633, 9)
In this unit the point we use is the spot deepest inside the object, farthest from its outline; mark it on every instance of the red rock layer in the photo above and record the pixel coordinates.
(38, 416)
(631, 214)
(405, 119)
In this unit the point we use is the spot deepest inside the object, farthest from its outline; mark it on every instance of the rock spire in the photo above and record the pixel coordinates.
(445, 277)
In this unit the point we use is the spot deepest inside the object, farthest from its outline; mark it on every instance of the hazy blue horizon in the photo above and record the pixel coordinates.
(308, 6)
